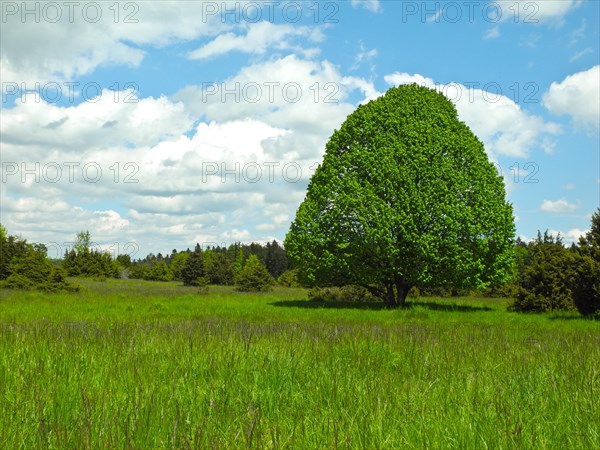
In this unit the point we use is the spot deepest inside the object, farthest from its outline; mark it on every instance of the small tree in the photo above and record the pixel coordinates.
(545, 282)
(158, 271)
(254, 276)
(219, 269)
(193, 273)
(586, 283)
(178, 263)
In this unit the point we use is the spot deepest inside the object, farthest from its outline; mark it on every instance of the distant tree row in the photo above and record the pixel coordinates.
(546, 275)
(26, 266)
(553, 277)
(215, 265)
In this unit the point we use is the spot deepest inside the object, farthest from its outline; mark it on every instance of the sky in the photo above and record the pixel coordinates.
(159, 125)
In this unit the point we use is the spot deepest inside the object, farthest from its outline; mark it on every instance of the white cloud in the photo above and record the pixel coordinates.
(258, 39)
(578, 96)
(42, 51)
(504, 127)
(558, 206)
(363, 55)
(370, 5)
(541, 11)
(581, 54)
(98, 123)
(492, 33)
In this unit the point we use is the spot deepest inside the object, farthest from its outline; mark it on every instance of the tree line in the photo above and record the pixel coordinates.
(546, 275)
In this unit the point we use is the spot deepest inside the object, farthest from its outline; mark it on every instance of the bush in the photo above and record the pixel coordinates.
(504, 291)
(546, 278)
(254, 277)
(585, 287)
(158, 271)
(349, 293)
(289, 278)
(33, 271)
(90, 264)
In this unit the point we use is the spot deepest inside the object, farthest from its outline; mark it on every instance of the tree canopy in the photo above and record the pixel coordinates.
(405, 196)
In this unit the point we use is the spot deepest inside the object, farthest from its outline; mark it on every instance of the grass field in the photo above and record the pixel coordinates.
(132, 364)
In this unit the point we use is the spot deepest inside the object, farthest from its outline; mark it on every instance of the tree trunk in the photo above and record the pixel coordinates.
(390, 298)
(402, 289)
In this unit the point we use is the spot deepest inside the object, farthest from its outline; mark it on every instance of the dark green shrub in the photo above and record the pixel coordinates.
(254, 276)
(289, 278)
(545, 282)
(158, 271)
(193, 269)
(349, 293)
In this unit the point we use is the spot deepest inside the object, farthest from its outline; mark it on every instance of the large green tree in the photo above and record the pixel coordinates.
(405, 196)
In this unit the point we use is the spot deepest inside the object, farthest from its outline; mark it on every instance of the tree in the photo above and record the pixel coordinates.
(25, 266)
(586, 283)
(158, 271)
(178, 261)
(254, 276)
(83, 241)
(405, 196)
(219, 270)
(193, 272)
(544, 284)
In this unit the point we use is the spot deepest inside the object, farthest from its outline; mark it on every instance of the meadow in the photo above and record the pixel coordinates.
(144, 365)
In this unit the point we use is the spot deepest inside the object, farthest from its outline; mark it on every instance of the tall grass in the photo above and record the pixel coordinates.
(262, 371)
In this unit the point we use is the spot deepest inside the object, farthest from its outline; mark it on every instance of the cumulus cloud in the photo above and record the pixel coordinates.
(258, 39)
(42, 51)
(558, 206)
(578, 96)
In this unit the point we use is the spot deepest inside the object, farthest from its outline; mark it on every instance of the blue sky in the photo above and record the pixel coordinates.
(159, 125)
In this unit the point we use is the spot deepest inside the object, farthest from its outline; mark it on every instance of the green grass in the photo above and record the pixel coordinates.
(131, 364)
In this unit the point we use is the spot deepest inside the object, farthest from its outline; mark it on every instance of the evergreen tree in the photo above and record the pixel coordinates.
(193, 273)
(254, 276)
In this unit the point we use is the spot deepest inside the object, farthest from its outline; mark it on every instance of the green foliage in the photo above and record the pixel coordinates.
(405, 196)
(30, 269)
(545, 282)
(238, 262)
(289, 278)
(90, 264)
(586, 283)
(349, 293)
(219, 269)
(254, 276)
(124, 261)
(586, 286)
(83, 241)
(159, 271)
(11, 247)
(138, 270)
(193, 272)
(177, 263)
